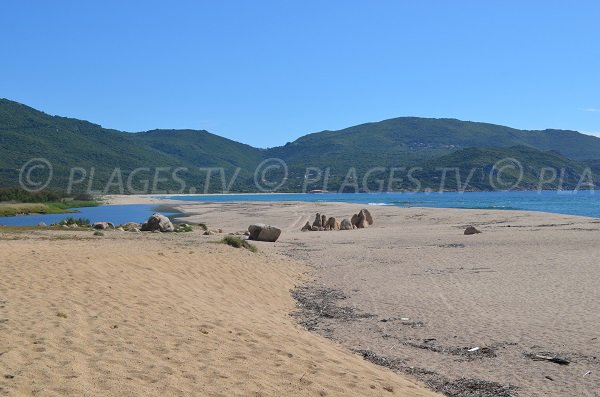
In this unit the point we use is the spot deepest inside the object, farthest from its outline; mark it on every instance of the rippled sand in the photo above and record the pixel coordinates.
(163, 315)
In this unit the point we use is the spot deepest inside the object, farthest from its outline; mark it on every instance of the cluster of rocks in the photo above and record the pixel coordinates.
(132, 227)
(67, 225)
(103, 225)
(358, 221)
(212, 232)
(157, 223)
(240, 233)
(70, 223)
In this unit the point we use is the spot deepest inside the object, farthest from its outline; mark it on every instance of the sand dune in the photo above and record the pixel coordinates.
(162, 315)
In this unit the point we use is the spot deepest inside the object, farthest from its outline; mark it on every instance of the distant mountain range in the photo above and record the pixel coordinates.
(359, 158)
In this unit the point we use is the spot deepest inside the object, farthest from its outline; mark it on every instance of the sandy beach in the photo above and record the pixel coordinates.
(423, 294)
(149, 314)
(408, 302)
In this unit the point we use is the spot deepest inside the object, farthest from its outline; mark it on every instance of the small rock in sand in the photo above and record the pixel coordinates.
(471, 230)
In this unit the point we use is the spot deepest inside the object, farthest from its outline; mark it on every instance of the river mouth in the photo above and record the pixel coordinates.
(116, 214)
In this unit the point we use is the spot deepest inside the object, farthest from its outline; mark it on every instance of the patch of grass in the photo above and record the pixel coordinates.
(61, 207)
(183, 228)
(203, 226)
(98, 233)
(68, 203)
(237, 242)
(12, 209)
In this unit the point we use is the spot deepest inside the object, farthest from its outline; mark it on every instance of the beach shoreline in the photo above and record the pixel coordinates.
(459, 312)
(411, 293)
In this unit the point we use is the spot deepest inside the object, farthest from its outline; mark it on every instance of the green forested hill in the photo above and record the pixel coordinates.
(429, 144)
(26, 133)
(200, 148)
(534, 168)
(422, 135)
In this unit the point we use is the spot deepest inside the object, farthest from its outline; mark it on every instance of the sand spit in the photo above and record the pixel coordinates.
(131, 314)
(467, 314)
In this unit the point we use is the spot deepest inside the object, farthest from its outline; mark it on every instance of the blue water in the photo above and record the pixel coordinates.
(585, 203)
(116, 214)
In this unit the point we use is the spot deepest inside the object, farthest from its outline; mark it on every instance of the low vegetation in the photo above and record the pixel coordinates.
(12, 209)
(183, 228)
(21, 202)
(69, 221)
(237, 242)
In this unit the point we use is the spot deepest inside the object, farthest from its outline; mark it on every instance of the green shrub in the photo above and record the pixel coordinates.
(98, 233)
(237, 242)
(183, 229)
(23, 196)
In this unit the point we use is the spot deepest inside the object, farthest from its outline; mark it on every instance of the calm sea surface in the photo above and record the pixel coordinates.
(586, 203)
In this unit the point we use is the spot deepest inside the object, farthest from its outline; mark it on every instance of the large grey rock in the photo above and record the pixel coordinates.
(262, 232)
(158, 222)
(346, 224)
(103, 225)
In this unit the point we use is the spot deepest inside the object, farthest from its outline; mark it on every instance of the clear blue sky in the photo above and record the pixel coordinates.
(267, 72)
